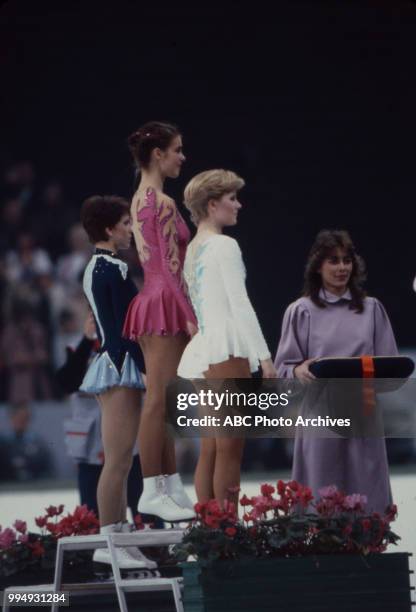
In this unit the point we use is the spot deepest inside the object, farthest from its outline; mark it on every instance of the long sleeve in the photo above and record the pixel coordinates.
(384, 340)
(293, 344)
(70, 374)
(233, 274)
(167, 234)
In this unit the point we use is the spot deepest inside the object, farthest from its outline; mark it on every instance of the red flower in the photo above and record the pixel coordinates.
(304, 496)
(281, 487)
(247, 517)
(199, 508)
(37, 549)
(366, 524)
(60, 509)
(51, 527)
(293, 485)
(20, 526)
(391, 512)
(245, 501)
(267, 490)
(138, 521)
(51, 511)
(40, 521)
(231, 531)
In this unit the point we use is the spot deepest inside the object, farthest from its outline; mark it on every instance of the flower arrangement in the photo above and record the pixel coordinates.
(286, 521)
(21, 550)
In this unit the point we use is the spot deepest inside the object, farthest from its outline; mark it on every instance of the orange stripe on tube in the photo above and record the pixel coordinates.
(369, 396)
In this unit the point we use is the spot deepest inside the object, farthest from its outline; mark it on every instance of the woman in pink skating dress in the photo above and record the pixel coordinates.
(160, 317)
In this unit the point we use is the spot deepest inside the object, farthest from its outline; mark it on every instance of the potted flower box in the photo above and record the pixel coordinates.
(290, 553)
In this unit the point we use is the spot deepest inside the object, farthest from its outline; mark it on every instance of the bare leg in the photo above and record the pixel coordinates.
(162, 355)
(204, 473)
(228, 451)
(120, 408)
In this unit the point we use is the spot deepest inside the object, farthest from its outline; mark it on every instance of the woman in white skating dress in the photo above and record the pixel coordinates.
(229, 342)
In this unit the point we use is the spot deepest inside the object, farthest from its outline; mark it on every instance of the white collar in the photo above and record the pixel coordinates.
(331, 298)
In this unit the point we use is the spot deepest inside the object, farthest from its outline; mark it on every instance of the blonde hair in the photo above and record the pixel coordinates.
(206, 186)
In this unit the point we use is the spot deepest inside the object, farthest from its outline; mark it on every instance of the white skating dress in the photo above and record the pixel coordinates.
(227, 324)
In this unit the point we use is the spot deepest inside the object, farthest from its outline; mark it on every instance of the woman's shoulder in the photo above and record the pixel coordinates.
(107, 267)
(151, 197)
(302, 304)
(225, 243)
(371, 302)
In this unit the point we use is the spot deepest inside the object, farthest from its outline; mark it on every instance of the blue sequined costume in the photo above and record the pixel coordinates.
(109, 290)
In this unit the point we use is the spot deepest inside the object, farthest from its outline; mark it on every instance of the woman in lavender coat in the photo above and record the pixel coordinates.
(334, 318)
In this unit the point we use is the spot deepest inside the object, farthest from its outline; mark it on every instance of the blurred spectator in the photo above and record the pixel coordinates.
(70, 267)
(67, 335)
(23, 346)
(27, 261)
(27, 455)
(52, 221)
(11, 223)
(19, 179)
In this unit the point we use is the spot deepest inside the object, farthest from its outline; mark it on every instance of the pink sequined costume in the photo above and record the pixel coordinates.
(162, 307)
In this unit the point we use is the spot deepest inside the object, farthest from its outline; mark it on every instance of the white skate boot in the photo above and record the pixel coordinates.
(125, 560)
(156, 500)
(136, 553)
(177, 491)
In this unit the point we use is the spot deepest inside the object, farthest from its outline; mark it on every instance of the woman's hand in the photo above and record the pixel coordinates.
(192, 329)
(302, 372)
(268, 369)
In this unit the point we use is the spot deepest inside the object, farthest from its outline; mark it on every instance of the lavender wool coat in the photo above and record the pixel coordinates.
(356, 465)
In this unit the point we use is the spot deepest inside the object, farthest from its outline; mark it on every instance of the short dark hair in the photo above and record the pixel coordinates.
(101, 212)
(152, 135)
(325, 242)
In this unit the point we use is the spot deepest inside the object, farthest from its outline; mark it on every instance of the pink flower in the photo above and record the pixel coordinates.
(330, 491)
(51, 511)
(7, 537)
(354, 502)
(23, 538)
(20, 526)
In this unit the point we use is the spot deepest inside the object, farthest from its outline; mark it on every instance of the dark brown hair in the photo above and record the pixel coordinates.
(325, 243)
(101, 212)
(152, 135)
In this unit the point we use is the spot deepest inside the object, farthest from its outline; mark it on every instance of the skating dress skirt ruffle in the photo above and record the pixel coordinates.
(109, 291)
(102, 375)
(227, 324)
(162, 307)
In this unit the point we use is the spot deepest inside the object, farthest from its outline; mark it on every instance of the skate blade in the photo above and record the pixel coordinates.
(139, 574)
(103, 572)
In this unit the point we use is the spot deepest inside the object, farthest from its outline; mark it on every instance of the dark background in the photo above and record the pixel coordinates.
(313, 103)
